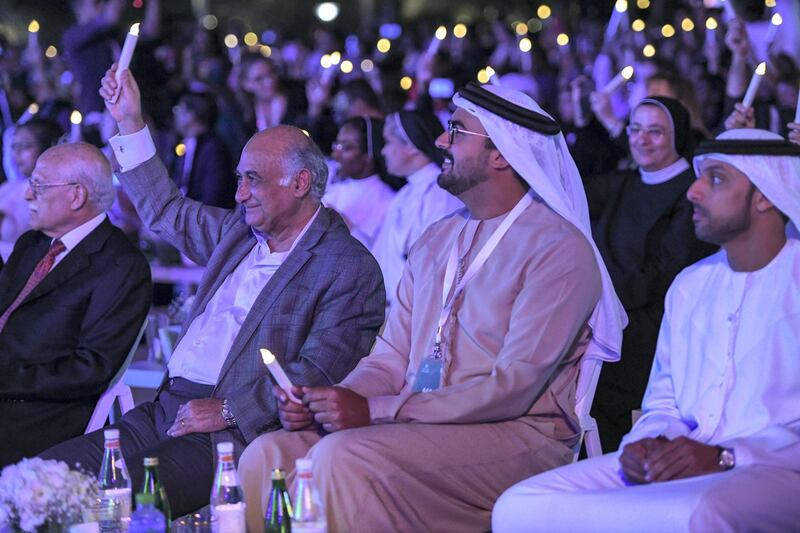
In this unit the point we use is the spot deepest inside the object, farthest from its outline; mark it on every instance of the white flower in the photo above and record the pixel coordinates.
(35, 491)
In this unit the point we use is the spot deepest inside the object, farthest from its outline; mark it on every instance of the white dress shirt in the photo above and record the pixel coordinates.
(415, 207)
(200, 354)
(72, 238)
(727, 365)
(363, 204)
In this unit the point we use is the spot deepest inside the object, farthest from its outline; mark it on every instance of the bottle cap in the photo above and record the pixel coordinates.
(111, 434)
(278, 475)
(303, 464)
(225, 447)
(151, 461)
(144, 498)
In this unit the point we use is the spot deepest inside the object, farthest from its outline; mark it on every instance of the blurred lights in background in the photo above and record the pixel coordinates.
(209, 22)
(327, 11)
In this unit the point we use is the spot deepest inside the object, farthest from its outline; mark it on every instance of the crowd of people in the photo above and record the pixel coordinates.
(430, 259)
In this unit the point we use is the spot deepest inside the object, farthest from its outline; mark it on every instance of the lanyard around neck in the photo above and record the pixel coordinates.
(477, 263)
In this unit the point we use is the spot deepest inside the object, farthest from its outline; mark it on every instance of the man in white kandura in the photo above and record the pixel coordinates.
(718, 445)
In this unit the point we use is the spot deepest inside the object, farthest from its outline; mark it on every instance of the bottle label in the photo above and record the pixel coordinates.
(230, 517)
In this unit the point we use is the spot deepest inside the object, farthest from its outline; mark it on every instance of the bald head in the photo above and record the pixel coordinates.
(85, 164)
(294, 151)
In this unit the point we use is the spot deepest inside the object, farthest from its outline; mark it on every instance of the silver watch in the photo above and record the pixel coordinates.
(726, 457)
(230, 420)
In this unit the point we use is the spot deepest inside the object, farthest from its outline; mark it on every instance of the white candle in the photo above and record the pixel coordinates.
(33, 34)
(75, 128)
(277, 372)
(776, 21)
(618, 80)
(752, 89)
(125, 56)
(436, 42)
(797, 110)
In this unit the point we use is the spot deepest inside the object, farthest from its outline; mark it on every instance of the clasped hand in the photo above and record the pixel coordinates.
(331, 408)
(652, 460)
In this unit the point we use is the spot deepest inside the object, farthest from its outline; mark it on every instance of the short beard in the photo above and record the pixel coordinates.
(471, 176)
(723, 231)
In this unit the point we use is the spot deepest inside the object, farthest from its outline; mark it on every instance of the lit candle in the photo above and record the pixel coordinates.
(776, 21)
(618, 80)
(752, 89)
(125, 56)
(436, 42)
(797, 110)
(33, 34)
(277, 372)
(75, 128)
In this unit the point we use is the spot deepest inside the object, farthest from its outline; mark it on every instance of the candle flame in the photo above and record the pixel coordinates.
(33, 108)
(33, 27)
(267, 356)
(627, 72)
(135, 29)
(761, 69)
(76, 117)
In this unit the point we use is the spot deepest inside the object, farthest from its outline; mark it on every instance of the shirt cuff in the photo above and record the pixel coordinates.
(134, 149)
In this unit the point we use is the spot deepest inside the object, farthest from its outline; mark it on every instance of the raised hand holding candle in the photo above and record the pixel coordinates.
(75, 128)
(618, 80)
(277, 372)
(125, 56)
(752, 89)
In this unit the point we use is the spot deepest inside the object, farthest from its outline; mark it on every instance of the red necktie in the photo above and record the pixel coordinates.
(38, 274)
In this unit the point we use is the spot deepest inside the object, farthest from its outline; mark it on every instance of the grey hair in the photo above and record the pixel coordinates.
(92, 170)
(307, 156)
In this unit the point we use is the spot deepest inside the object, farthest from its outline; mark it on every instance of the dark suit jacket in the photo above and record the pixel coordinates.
(62, 346)
(318, 314)
(210, 180)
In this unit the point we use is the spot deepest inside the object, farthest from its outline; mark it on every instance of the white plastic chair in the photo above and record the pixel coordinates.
(587, 385)
(117, 391)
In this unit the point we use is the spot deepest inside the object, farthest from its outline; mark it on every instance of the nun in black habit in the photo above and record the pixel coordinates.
(642, 224)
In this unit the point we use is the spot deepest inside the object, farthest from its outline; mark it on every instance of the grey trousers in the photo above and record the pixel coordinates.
(186, 464)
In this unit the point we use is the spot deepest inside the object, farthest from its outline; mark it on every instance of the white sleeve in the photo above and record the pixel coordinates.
(134, 149)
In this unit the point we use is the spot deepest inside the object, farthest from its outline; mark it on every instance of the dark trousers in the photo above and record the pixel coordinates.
(186, 464)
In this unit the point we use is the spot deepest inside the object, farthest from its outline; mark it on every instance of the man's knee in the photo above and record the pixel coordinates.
(714, 512)
(506, 509)
(337, 452)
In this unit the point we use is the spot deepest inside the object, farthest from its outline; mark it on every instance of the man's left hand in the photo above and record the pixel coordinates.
(682, 458)
(337, 408)
(198, 416)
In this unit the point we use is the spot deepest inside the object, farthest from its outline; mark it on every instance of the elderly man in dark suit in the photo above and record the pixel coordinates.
(282, 272)
(73, 296)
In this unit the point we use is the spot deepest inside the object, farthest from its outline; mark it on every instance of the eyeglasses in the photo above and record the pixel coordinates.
(654, 133)
(452, 129)
(37, 186)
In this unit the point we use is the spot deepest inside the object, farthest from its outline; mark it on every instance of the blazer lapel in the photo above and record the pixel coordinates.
(23, 268)
(75, 261)
(275, 286)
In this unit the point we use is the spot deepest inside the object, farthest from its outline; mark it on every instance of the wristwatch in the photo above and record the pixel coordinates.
(726, 458)
(230, 420)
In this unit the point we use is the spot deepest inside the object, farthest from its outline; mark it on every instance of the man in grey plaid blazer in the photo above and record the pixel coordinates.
(282, 272)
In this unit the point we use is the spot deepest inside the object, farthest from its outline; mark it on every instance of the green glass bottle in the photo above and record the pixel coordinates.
(153, 486)
(279, 511)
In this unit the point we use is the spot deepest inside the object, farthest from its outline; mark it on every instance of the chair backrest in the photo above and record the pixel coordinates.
(117, 390)
(588, 376)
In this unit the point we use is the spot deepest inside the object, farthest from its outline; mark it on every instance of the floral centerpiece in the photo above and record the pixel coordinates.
(37, 495)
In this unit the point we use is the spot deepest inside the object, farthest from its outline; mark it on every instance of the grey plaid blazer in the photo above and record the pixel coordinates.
(319, 313)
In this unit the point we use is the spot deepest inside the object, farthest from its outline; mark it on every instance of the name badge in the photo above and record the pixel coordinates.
(429, 375)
